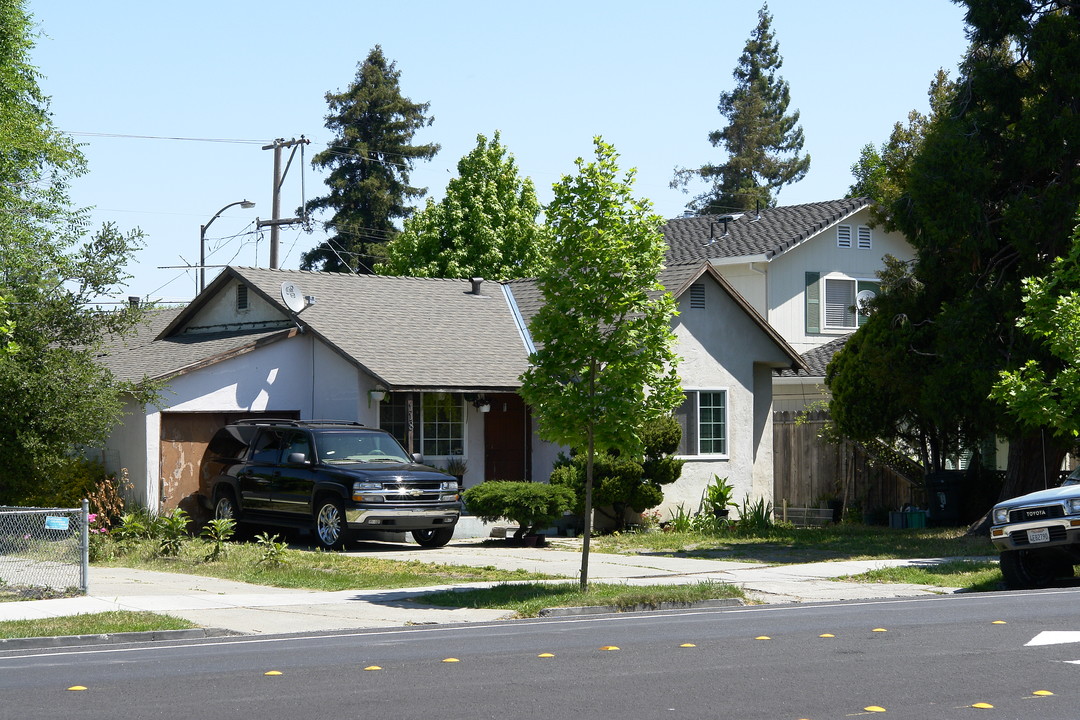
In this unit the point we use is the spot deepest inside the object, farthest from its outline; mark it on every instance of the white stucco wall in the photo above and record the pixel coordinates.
(297, 374)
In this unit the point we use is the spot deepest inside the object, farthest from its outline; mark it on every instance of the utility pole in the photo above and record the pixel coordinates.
(276, 221)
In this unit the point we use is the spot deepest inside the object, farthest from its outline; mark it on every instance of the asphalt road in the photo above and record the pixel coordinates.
(932, 657)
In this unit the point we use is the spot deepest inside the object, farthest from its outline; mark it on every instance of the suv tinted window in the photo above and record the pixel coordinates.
(230, 442)
(268, 447)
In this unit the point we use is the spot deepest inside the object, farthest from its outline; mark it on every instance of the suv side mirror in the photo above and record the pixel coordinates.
(297, 459)
(418, 458)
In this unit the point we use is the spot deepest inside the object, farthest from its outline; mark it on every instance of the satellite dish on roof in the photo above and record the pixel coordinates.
(292, 296)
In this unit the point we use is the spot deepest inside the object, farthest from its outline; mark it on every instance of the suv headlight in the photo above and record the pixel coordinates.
(365, 492)
(449, 485)
(1001, 516)
(1073, 506)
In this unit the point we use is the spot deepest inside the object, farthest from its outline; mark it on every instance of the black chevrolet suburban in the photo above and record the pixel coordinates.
(337, 478)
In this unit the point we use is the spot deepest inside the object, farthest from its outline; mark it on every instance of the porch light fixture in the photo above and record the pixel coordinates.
(376, 395)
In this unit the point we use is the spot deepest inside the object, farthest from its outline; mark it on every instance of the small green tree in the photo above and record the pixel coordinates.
(485, 225)
(621, 482)
(763, 141)
(605, 363)
(533, 506)
(370, 159)
(1048, 394)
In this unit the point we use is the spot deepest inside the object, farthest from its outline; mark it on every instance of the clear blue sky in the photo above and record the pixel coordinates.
(644, 75)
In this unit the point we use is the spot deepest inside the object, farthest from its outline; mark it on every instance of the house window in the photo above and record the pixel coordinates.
(843, 236)
(394, 417)
(704, 421)
(241, 297)
(443, 424)
(697, 296)
(842, 298)
(865, 239)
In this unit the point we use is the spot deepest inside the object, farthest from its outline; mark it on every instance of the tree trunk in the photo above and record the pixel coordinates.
(588, 515)
(1034, 462)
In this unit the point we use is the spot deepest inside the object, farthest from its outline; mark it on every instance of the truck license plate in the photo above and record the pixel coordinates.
(1038, 536)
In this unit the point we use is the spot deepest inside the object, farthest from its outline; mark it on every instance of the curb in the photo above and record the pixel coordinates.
(113, 638)
(640, 607)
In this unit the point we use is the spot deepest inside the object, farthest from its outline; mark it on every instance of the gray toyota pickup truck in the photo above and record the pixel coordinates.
(1039, 535)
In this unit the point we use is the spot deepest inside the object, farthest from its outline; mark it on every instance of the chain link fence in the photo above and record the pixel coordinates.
(44, 547)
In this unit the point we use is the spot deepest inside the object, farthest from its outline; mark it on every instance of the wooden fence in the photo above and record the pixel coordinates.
(807, 469)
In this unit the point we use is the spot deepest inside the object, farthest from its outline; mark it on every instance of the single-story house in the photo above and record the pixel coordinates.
(437, 362)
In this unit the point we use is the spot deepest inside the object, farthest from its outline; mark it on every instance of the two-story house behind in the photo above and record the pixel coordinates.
(804, 268)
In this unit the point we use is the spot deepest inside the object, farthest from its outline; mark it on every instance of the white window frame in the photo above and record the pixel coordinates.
(826, 280)
(419, 436)
(690, 410)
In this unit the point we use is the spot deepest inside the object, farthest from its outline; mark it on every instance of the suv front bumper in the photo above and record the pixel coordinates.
(400, 519)
(1016, 536)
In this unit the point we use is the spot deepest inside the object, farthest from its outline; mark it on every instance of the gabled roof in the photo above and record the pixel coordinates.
(143, 356)
(409, 333)
(677, 279)
(761, 235)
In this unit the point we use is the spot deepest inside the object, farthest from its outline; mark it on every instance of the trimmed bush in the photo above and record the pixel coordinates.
(531, 506)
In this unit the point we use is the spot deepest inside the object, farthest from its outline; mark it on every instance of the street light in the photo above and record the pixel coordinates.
(246, 204)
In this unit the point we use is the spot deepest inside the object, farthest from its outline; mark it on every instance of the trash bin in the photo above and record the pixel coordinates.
(945, 497)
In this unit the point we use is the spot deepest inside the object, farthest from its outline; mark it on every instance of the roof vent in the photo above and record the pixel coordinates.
(476, 283)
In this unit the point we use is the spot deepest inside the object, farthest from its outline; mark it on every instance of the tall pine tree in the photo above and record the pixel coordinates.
(763, 142)
(369, 159)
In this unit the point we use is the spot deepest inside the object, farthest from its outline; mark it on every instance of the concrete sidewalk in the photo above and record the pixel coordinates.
(244, 608)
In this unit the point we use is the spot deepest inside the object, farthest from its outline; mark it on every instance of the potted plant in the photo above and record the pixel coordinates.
(716, 498)
(457, 466)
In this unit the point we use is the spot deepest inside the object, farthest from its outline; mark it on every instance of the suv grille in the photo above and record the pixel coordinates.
(406, 493)
(1037, 513)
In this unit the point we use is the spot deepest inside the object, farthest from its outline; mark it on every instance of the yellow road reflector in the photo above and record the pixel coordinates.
(610, 647)
(999, 622)
(763, 637)
(451, 660)
(688, 645)
(874, 708)
(373, 667)
(77, 687)
(272, 672)
(826, 635)
(545, 655)
(983, 706)
(1042, 693)
(880, 630)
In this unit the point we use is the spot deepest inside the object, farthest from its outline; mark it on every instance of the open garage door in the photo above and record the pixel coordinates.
(184, 437)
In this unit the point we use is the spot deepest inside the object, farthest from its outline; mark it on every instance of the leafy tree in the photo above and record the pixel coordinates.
(1047, 394)
(605, 363)
(485, 225)
(623, 482)
(881, 173)
(370, 160)
(762, 140)
(990, 198)
(54, 397)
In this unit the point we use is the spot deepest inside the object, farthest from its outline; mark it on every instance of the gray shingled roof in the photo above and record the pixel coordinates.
(817, 360)
(411, 333)
(675, 278)
(140, 356)
(769, 233)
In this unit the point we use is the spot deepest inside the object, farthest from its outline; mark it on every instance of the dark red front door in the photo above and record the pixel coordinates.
(506, 439)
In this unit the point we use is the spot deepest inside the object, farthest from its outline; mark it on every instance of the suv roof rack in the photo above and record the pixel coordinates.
(295, 423)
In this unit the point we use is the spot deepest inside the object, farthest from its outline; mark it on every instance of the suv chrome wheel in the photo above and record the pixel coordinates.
(433, 538)
(330, 527)
(225, 507)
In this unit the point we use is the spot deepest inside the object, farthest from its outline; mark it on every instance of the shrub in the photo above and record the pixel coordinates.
(531, 505)
(216, 532)
(171, 530)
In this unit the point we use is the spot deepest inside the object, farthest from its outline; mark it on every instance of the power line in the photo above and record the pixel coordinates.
(165, 137)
